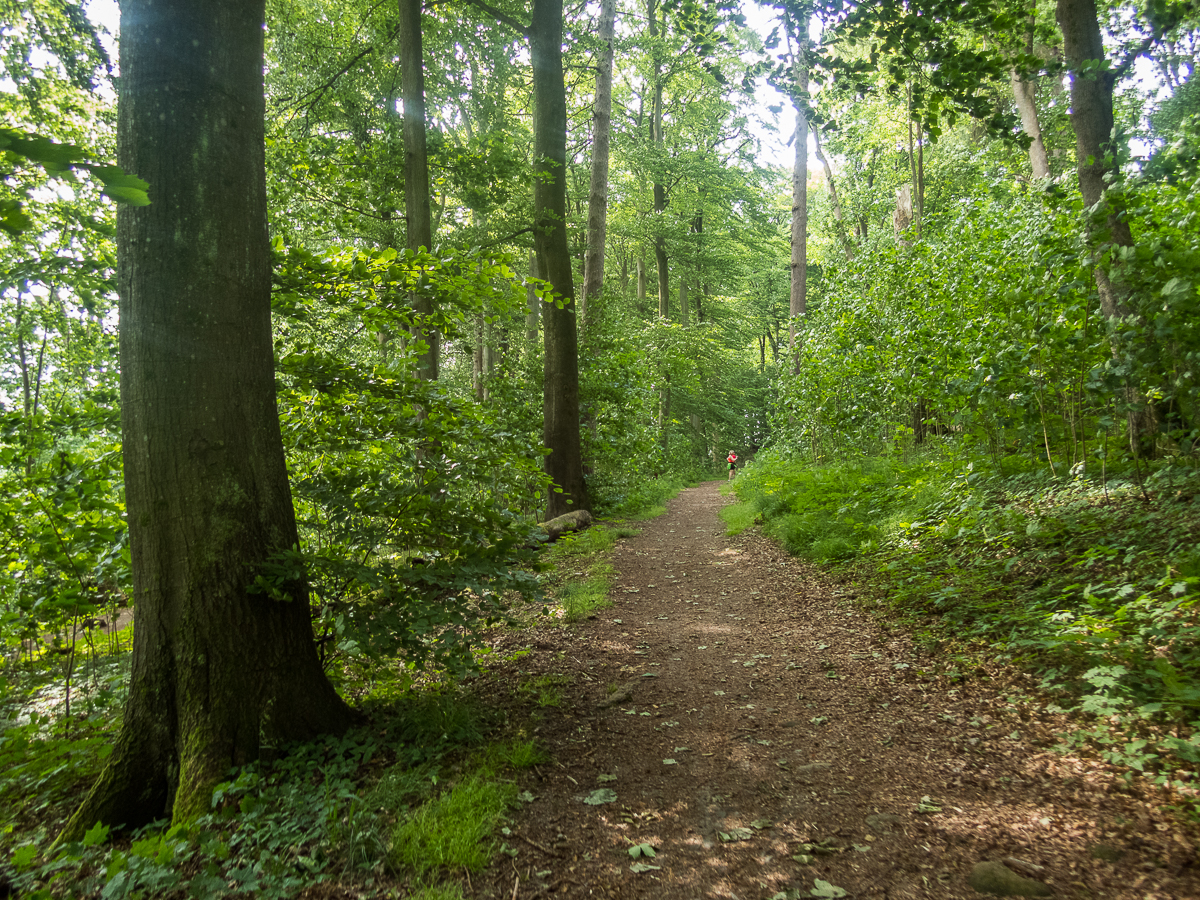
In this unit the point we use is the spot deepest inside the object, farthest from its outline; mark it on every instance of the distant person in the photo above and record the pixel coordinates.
(732, 460)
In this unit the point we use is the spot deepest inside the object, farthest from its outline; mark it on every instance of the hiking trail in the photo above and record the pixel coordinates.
(735, 711)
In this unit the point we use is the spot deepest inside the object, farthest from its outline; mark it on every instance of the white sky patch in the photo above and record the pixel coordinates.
(776, 140)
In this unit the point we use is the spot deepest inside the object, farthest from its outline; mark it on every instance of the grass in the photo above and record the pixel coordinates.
(647, 497)
(583, 572)
(451, 831)
(545, 690)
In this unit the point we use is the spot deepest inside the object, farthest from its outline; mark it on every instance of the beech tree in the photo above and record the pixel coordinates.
(224, 649)
(560, 397)
(593, 267)
(416, 174)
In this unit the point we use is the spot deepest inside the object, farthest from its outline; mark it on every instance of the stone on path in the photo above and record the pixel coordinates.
(995, 878)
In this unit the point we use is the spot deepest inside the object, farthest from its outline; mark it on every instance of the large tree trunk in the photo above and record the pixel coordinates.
(1092, 120)
(593, 266)
(215, 662)
(416, 175)
(560, 391)
(798, 300)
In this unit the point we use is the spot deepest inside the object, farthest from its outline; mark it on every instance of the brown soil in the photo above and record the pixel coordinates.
(793, 718)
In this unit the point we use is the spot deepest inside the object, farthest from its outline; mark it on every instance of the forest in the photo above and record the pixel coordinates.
(314, 314)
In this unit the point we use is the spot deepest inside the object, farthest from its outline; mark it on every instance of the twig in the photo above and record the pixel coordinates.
(535, 844)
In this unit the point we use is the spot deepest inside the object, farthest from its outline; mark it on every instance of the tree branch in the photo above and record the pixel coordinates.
(329, 83)
(501, 17)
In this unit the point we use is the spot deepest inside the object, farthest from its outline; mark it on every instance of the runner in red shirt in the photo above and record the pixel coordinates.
(731, 459)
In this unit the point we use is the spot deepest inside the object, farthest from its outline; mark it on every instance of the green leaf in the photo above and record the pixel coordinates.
(95, 835)
(642, 850)
(825, 889)
(599, 796)
(735, 834)
(24, 856)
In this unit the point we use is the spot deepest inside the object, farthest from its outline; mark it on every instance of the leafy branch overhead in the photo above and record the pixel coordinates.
(59, 161)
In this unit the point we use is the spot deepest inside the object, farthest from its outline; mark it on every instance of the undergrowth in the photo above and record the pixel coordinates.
(415, 793)
(582, 570)
(1092, 584)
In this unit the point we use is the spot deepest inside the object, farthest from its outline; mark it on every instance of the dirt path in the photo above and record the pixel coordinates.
(760, 717)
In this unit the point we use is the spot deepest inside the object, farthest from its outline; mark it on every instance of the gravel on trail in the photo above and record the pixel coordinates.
(734, 726)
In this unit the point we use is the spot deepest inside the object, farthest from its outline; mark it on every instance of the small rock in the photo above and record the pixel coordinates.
(884, 822)
(996, 878)
(624, 692)
(1106, 852)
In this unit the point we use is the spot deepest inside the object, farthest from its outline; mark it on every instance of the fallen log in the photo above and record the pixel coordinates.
(576, 520)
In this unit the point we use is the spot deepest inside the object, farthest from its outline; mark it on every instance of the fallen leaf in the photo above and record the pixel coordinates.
(600, 795)
(926, 806)
(825, 889)
(639, 868)
(736, 834)
(603, 778)
(642, 850)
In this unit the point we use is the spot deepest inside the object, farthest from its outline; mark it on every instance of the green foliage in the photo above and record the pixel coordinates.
(413, 509)
(276, 827)
(828, 512)
(1085, 582)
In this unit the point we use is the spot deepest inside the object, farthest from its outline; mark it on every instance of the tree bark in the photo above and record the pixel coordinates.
(684, 317)
(215, 663)
(798, 301)
(1092, 121)
(416, 175)
(1025, 95)
(560, 391)
(593, 267)
(660, 190)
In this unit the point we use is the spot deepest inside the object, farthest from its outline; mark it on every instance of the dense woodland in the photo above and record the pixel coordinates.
(306, 327)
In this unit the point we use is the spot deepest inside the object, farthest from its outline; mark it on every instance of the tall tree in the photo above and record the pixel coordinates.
(657, 30)
(1092, 83)
(560, 391)
(223, 651)
(593, 266)
(798, 304)
(416, 175)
